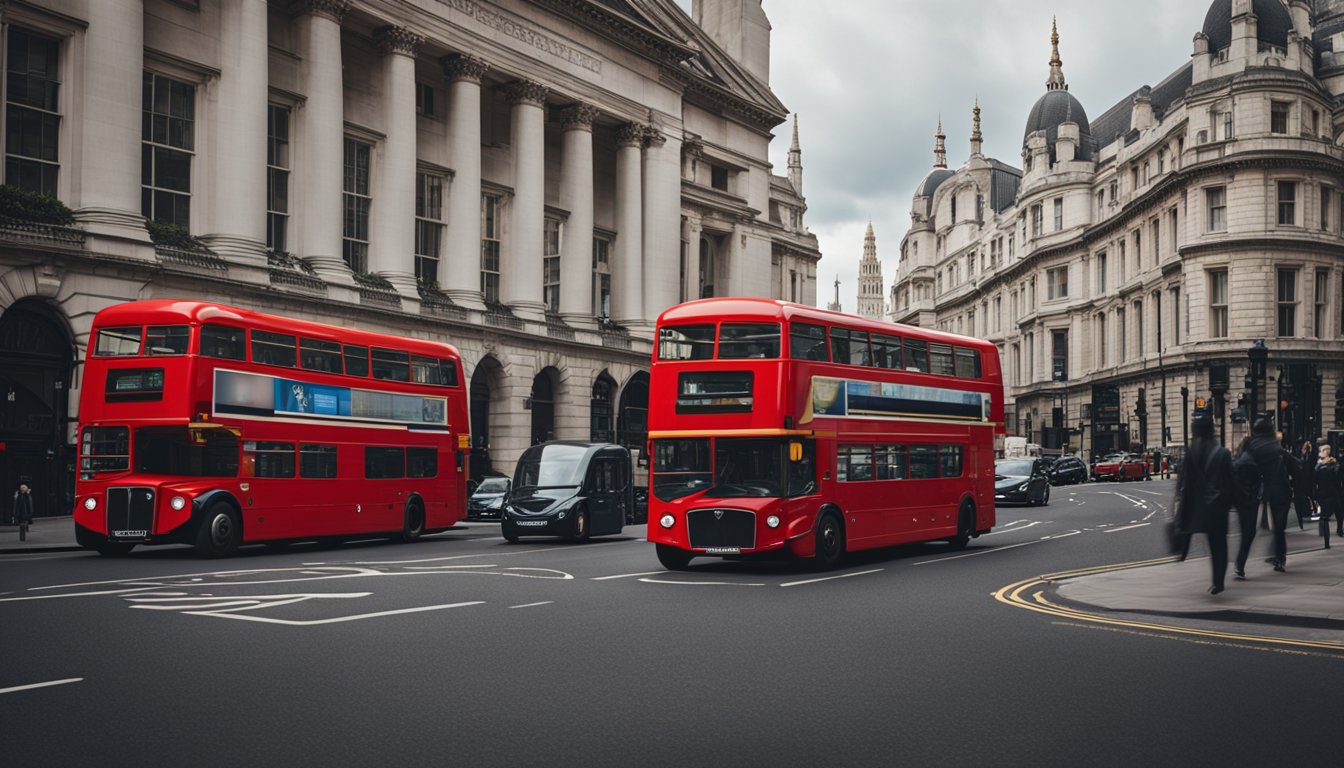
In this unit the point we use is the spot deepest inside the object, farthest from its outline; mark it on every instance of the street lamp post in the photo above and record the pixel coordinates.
(1185, 416)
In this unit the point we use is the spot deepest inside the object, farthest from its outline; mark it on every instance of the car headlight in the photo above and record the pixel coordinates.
(667, 521)
(91, 503)
(177, 502)
(772, 521)
(495, 503)
(560, 516)
(1024, 486)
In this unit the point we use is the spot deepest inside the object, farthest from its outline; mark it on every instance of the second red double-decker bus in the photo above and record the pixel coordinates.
(210, 425)
(780, 427)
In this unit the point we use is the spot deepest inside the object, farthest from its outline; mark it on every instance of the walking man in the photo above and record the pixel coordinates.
(23, 510)
(1277, 468)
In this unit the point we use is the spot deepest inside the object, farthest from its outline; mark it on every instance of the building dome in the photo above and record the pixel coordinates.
(1272, 23)
(1053, 109)
(931, 182)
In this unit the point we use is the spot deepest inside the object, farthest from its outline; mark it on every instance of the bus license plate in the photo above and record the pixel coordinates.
(530, 523)
(723, 550)
(130, 534)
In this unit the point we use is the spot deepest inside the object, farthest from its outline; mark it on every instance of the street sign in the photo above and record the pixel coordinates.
(1106, 403)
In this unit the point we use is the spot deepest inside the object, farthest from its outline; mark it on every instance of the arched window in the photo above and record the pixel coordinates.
(601, 410)
(542, 403)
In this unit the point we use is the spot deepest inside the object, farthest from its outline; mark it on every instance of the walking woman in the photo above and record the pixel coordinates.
(1329, 493)
(1303, 496)
(1205, 490)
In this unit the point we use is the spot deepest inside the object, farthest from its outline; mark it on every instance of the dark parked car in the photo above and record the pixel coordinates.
(1068, 470)
(487, 501)
(569, 489)
(1021, 481)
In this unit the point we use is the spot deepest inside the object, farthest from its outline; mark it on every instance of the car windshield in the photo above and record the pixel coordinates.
(550, 466)
(1022, 468)
(493, 485)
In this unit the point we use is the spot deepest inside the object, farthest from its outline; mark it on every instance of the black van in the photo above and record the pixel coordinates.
(571, 489)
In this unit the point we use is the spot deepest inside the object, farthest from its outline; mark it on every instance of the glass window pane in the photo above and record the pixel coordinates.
(223, 342)
(686, 342)
(749, 340)
(118, 341)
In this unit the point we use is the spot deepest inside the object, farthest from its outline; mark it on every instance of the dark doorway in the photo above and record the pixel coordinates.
(543, 405)
(483, 383)
(632, 422)
(601, 409)
(36, 356)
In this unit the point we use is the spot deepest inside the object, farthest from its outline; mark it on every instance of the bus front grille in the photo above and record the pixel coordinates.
(130, 512)
(721, 528)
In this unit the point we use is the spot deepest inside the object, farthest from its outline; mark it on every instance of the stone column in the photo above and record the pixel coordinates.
(319, 163)
(106, 194)
(576, 196)
(462, 275)
(690, 232)
(236, 221)
(627, 292)
(392, 225)
(662, 217)
(521, 262)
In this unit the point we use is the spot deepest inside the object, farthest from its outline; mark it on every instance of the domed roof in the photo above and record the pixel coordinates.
(1272, 23)
(931, 182)
(1050, 111)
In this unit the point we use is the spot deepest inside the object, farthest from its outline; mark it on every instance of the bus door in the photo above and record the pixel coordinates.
(859, 493)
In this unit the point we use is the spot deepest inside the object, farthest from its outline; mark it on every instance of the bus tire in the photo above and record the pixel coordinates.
(672, 558)
(965, 526)
(830, 542)
(220, 531)
(581, 525)
(414, 522)
(114, 549)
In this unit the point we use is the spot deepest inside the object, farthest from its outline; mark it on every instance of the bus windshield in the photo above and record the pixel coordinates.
(172, 451)
(741, 467)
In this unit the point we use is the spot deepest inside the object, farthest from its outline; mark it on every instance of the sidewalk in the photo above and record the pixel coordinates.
(1310, 593)
(46, 534)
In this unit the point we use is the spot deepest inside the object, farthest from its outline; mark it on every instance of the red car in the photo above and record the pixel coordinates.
(1121, 467)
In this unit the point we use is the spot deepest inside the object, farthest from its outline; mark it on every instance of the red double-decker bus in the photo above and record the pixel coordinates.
(779, 427)
(214, 426)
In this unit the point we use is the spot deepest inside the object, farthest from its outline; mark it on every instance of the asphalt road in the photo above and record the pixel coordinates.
(461, 649)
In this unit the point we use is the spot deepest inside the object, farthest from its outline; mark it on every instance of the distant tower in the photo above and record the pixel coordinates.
(976, 139)
(871, 300)
(1056, 80)
(939, 146)
(834, 306)
(796, 160)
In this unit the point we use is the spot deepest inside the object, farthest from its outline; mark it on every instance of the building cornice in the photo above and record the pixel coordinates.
(621, 29)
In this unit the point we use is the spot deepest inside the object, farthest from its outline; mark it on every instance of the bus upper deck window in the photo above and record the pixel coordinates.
(118, 342)
(748, 340)
(167, 339)
(223, 342)
(686, 342)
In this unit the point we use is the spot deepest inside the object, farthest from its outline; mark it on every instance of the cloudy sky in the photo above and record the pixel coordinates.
(869, 79)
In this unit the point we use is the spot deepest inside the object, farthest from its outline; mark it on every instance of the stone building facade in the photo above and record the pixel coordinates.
(1128, 268)
(533, 181)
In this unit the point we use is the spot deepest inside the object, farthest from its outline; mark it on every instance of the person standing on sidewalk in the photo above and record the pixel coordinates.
(1246, 476)
(23, 510)
(1205, 489)
(1329, 493)
(1304, 484)
(1277, 469)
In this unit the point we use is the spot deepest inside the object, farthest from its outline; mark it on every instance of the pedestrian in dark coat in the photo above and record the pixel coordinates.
(1329, 493)
(1304, 484)
(23, 505)
(1247, 502)
(1277, 469)
(1205, 488)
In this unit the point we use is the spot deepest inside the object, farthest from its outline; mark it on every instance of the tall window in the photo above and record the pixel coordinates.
(1327, 203)
(32, 112)
(277, 177)
(1123, 331)
(1227, 124)
(168, 129)
(550, 264)
(1057, 283)
(1157, 320)
(1322, 293)
(1218, 304)
(490, 237)
(1120, 259)
(1175, 315)
(1215, 199)
(1138, 251)
(1101, 273)
(356, 204)
(1101, 340)
(1059, 355)
(1157, 239)
(1059, 213)
(1139, 337)
(1287, 202)
(1278, 117)
(428, 226)
(1287, 300)
(602, 277)
(1036, 216)
(1175, 233)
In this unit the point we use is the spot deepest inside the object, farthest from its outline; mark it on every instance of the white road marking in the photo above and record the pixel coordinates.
(1014, 530)
(224, 614)
(1125, 528)
(829, 578)
(532, 605)
(1130, 499)
(627, 575)
(1041, 540)
(47, 684)
(702, 583)
(75, 594)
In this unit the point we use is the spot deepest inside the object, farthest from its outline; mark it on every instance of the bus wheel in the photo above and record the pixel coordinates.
(115, 549)
(219, 532)
(830, 542)
(415, 522)
(580, 525)
(965, 526)
(673, 559)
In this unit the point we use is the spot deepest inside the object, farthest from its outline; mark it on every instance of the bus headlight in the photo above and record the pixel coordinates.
(772, 521)
(667, 521)
(177, 503)
(91, 503)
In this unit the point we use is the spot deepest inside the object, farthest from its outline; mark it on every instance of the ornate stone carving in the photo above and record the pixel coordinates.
(653, 137)
(630, 135)
(578, 117)
(332, 9)
(461, 66)
(526, 92)
(392, 40)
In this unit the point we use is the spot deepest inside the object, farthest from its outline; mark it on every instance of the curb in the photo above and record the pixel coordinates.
(1219, 616)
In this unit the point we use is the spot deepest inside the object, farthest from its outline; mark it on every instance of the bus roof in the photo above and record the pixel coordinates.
(170, 311)
(750, 308)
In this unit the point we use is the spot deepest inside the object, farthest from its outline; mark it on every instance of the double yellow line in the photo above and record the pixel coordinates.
(1030, 594)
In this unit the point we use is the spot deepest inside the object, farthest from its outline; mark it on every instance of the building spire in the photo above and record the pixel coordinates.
(1056, 80)
(976, 139)
(796, 160)
(834, 306)
(939, 146)
(870, 302)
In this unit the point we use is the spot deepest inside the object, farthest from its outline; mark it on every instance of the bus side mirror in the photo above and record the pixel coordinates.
(795, 451)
